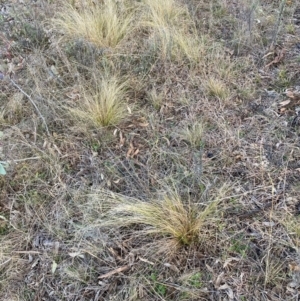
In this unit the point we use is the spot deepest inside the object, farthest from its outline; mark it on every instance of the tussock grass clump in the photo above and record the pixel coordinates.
(171, 216)
(104, 106)
(163, 13)
(155, 98)
(177, 44)
(173, 32)
(216, 88)
(193, 134)
(105, 25)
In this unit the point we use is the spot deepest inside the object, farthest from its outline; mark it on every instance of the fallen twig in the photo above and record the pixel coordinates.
(116, 271)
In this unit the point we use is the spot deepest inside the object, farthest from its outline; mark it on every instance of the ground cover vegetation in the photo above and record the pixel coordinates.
(149, 150)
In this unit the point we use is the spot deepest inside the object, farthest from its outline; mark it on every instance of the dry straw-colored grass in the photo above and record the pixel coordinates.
(105, 25)
(193, 133)
(163, 13)
(238, 256)
(103, 106)
(177, 45)
(217, 88)
(169, 217)
(173, 33)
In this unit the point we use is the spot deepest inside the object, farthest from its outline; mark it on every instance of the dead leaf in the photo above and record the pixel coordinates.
(289, 94)
(268, 54)
(54, 267)
(285, 103)
(291, 290)
(57, 149)
(294, 267)
(229, 290)
(35, 263)
(145, 260)
(209, 268)
(76, 254)
(130, 150)
(219, 280)
(136, 152)
(269, 224)
(116, 271)
(278, 58)
(11, 69)
(172, 267)
(54, 70)
(224, 287)
(295, 95)
(122, 139)
(282, 110)
(229, 260)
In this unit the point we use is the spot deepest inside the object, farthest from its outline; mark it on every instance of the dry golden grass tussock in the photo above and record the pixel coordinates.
(193, 133)
(178, 45)
(191, 46)
(171, 216)
(105, 25)
(104, 106)
(173, 30)
(163, 13)
(217, 88)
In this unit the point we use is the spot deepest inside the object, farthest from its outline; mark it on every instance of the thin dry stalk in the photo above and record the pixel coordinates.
(33, 103)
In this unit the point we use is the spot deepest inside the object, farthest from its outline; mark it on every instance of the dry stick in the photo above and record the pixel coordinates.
(33, 103)
(281, 9)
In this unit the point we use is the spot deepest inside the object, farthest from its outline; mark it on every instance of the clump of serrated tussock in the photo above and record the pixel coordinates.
(105, 24)
(102, 106)
(193, 133)
(177, 220)
(217, 88)
(172, 31)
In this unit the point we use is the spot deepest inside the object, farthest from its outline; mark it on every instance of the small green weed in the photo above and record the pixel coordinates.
(195, 280)
(283, 81)
(159, 288)
(239, 247)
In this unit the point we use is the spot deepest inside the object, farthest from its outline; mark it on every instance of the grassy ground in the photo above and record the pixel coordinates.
(151, 150)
